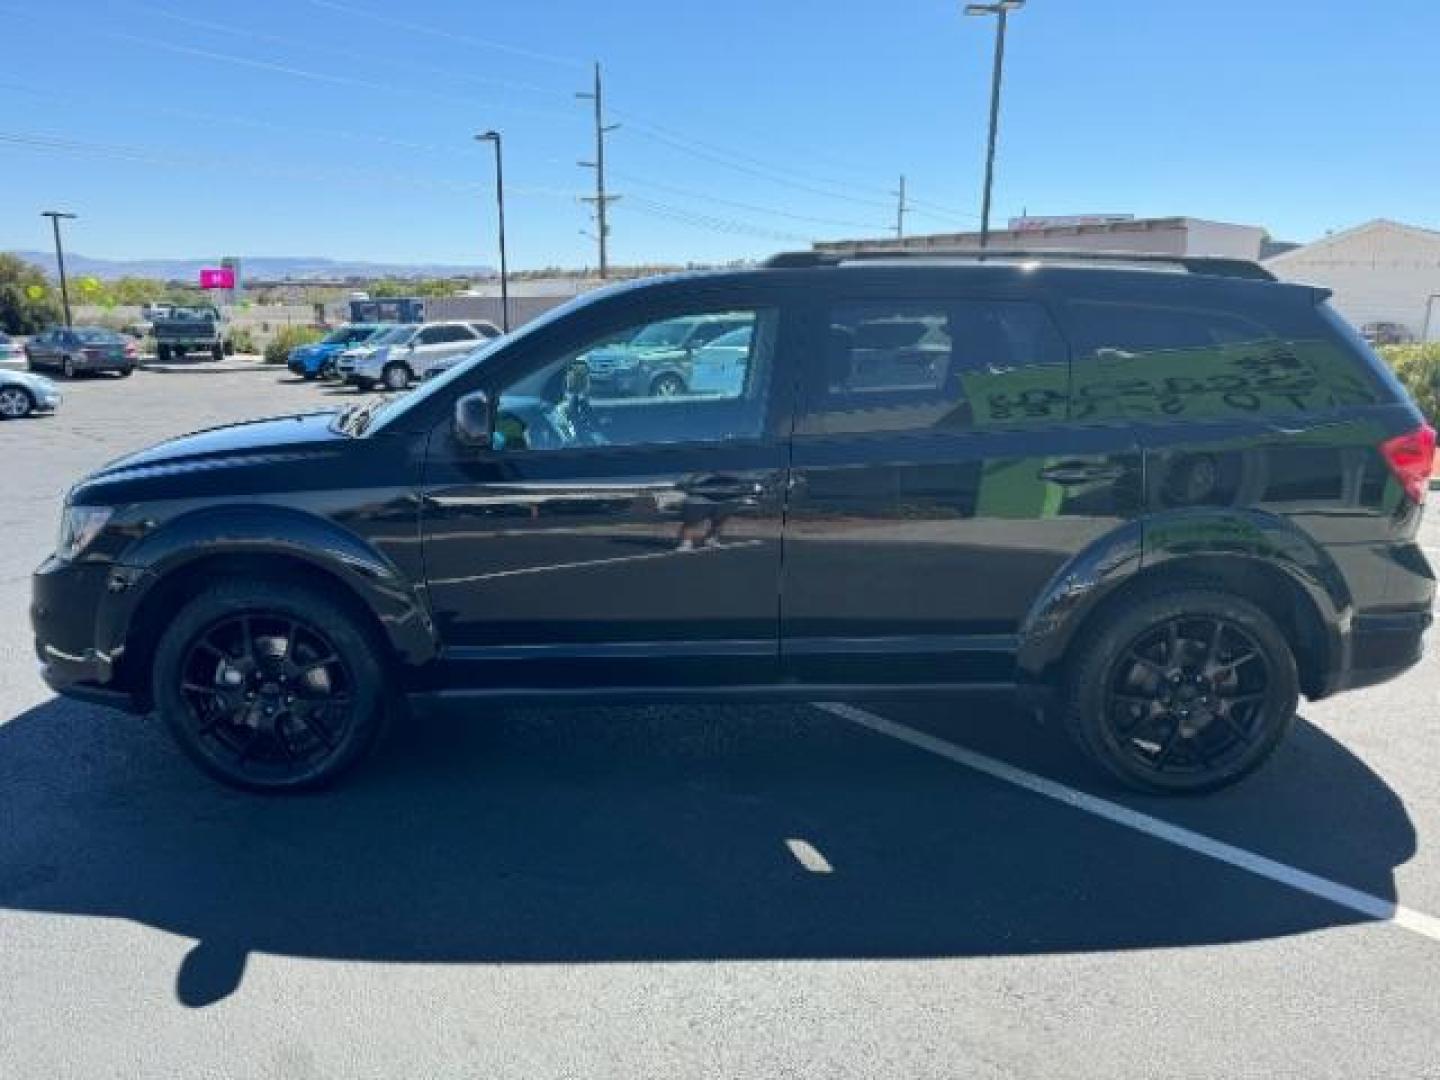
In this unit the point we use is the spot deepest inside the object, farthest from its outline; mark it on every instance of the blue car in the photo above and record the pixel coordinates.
(318, 360)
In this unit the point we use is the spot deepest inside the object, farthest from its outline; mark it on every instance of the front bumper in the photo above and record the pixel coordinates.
(64, 615)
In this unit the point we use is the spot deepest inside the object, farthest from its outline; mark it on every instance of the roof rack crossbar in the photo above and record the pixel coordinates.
(1209, 265)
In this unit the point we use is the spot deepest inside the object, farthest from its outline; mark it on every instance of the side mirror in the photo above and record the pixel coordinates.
(475, 420)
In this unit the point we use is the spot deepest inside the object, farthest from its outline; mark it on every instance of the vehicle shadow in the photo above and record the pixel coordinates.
(596, 835)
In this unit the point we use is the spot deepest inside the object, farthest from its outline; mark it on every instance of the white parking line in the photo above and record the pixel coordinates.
(1364, 903)
(806, 855)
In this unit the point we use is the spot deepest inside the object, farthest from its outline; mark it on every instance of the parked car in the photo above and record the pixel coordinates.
(12, 353)
(722, 366)
(81, 350)
(23, 393)
(1160, 501)
(404, 355)
(656, 361)
(185, 330)
(1386, 333)
(318, 360)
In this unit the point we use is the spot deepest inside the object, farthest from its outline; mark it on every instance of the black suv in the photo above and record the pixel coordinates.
(1163, 497)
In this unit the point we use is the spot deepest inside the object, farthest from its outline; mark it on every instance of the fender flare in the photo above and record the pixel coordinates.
(1168, 540)
(395, 601)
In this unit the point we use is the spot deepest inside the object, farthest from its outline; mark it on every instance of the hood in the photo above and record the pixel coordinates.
(279, 437)
(38, 383)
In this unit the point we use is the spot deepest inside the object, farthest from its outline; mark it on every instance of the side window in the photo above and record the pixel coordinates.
(936, 365)
(1136, 361)
(646, 384)
(443, 335)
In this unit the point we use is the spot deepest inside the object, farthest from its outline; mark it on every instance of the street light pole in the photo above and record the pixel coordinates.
(494, 137)
(55, 216)
(1001, 11)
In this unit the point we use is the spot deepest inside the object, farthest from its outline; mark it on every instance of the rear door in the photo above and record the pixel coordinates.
(938, 484)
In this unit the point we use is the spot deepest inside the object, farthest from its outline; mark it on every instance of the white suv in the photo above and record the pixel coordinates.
(406, 354)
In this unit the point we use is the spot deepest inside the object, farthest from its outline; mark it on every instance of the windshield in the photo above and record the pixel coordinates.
(350, 335)
(396, 335)
(97, 337)
(662, 335)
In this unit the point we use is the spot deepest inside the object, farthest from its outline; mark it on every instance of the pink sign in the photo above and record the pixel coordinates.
(221, 277)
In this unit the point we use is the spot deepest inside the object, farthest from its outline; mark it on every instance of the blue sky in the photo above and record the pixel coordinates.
(343, 127)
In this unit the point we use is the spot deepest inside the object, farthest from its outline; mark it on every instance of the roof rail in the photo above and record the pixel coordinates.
(1209, 265)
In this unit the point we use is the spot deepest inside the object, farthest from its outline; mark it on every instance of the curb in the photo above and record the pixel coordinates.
(210, 367)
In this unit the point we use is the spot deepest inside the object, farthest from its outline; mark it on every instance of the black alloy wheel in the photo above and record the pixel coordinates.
(1184, 691)
(268, 688)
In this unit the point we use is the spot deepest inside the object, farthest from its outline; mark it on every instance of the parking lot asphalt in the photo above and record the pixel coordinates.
(911, 890)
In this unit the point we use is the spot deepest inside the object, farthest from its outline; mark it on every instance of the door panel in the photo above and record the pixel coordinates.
(937, 488)
(610, 542)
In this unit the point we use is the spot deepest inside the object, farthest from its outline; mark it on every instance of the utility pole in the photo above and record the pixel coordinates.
(1001, 10)
(600, 199)
(901, 210)
(494, 137)
(55, 216)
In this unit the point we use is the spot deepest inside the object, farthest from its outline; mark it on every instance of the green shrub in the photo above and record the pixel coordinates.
(1418, 367)
(290, 337)
(242, 340)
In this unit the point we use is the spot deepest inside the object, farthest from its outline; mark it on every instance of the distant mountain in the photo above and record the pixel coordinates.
(254, 267)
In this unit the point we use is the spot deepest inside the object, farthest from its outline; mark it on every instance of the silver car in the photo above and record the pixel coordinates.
(22, 393)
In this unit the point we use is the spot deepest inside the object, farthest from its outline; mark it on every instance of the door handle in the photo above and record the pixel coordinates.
(1071, 473)
(721, 487)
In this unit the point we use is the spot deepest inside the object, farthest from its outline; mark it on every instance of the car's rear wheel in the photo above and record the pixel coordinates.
(217, 352)
(1182, 690)
(667, 385)
(15, 402)
(162, 353)
(126, 371)
(396, 376)
(364, 385)
(269, 686)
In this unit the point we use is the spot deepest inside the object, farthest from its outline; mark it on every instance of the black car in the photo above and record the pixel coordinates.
(1163, 498)
(81, 350)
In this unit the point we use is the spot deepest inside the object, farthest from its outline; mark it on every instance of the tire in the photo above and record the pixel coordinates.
(1188, 711)
(217, 352)
(228, 348)
(396, 376)
(251, 734)
(327, 369)
(67, 367)
(309, 376)
(126, 371)
(15, 403)
(364, 385)
(162, 353)
(667, 385)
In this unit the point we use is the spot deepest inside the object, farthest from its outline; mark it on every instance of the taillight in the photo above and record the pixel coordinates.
(1411, 458)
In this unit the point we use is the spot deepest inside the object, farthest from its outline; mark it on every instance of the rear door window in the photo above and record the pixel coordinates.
(935, 365)
(1141, 360)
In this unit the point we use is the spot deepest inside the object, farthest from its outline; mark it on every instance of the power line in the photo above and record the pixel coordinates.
(464, 39)
(736, 204)
(729, 226)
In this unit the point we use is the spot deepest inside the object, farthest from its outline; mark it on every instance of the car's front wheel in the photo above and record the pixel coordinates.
(269, 686)
(667, 385)
(67, 367)
(1182, 689)
(15, 402)
(395, 376)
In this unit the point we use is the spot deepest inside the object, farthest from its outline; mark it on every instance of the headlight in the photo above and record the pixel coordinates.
(79, 525)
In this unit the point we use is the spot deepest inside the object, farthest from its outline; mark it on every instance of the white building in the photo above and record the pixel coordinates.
(1151, 236)
(1381, 271)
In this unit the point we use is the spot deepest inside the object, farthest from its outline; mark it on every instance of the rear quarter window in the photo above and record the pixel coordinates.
(1136, 360)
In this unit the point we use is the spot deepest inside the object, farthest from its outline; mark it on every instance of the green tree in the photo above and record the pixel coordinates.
(28, 303)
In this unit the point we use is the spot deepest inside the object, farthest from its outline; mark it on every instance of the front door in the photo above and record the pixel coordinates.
(937, 486)
(614, 540)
